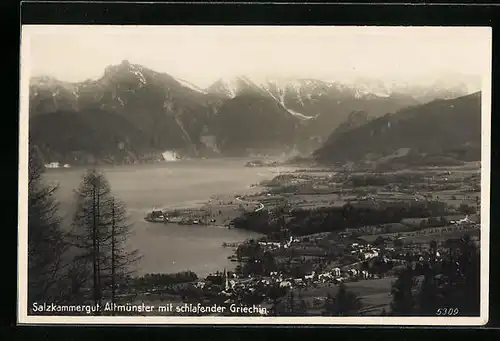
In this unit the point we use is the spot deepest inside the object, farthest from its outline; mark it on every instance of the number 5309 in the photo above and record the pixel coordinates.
(447, 311)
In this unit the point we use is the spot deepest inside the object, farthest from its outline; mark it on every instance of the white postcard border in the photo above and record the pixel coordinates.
(23, 318)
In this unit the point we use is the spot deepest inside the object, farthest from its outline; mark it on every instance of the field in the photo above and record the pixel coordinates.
(412, 222)
(319, 198)
(432, 233)
(374, 293)
(441, 237)
(456, 197)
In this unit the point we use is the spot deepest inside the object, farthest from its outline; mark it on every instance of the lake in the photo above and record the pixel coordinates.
(172, 248)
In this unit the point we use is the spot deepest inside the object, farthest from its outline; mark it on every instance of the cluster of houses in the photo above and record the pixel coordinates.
(270, 246)
(364, 251)
(232, 285)
(337, 275)
(56, 165)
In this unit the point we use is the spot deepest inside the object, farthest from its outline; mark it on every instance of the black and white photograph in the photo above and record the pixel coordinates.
(254, 175)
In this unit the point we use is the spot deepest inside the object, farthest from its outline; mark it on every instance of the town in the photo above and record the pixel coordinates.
(369, 228)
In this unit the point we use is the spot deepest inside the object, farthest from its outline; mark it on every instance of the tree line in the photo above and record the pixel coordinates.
(329, 219)
(86, 262)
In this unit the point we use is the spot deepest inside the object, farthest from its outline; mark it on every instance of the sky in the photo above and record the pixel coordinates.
(204, 54)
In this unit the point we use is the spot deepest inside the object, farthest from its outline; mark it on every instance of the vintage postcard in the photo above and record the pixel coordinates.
(254, 175)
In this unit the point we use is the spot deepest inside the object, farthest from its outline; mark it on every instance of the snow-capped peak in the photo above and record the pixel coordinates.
(189, 85)
(455, 83)
(277, 89)
(229, 86)
(137, 72)
(44, 81)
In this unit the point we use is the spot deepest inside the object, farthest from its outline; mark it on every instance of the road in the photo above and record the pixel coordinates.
(261, 205)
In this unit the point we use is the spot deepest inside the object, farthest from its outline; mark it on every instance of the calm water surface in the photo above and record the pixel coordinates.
(172, 248)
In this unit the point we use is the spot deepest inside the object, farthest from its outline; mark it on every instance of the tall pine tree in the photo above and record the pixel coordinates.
(428, 299)
(100, 233)
(46, 245)
(470, 269)
(403, 301)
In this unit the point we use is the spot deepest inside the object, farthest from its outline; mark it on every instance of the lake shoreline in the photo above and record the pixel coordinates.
(171, 248)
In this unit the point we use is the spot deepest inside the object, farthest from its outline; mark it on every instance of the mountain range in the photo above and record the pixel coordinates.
(133, 113)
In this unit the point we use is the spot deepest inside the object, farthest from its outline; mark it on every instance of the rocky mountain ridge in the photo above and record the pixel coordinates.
(133, 113)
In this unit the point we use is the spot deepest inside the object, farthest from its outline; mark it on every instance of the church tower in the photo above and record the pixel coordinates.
(226, 280)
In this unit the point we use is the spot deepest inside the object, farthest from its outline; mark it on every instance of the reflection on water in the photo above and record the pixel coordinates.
(172, 248)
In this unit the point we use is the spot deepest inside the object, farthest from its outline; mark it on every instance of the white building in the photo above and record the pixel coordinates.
(52, 165)
(336, 272)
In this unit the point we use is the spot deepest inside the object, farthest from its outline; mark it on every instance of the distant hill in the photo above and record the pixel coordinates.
(439, 129)
(353, 121)
(251, 121)
(87, 136)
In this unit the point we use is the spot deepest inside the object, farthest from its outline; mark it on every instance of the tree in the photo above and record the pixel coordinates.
(268, 263)
(100, 232)
(290, 305)
(428, 297)
(238, 269)
(466, 209)
(379, 241)
(452, 245)
(275, 293)
(398, 242)
(434, 221)
(433, 245)
(462, 277)
(302, 307)
(46, 245)
(403, 302)
(345, 303)
(470, 269)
